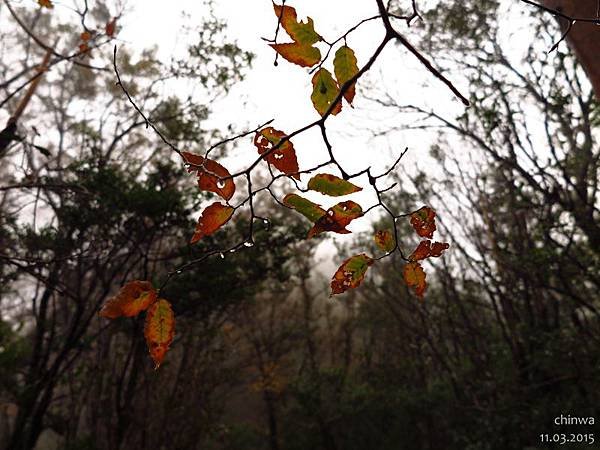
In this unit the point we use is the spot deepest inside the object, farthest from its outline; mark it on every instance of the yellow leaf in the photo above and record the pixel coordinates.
(414, 275)
(303, 55)
(159, 330)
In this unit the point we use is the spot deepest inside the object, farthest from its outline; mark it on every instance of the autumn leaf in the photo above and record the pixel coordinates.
(345, 68)
(303, 33)
(85, 36)
(134, 297)
(303, 55)
(301, 51)
(111, 27)
(212, 176)
(423, 221)
(426, 249)
(159, 330)
(438, 247)
(337, 218)
(331, 185)
(325, 91)
(213, 217)
(284, 158)
(308, 209)
(414, 276)
(384, 239)
(350, 274)
(46, 4)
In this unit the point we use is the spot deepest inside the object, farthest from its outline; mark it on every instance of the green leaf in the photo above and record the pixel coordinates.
(303, 33)
(385, 240)
(300, 51)
(325, 90)
(345, 68)
(308, 209)
(331, 185)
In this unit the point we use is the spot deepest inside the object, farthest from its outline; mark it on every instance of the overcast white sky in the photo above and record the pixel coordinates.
(283, 92)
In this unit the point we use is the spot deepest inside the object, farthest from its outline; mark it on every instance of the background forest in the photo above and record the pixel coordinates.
(506, 339)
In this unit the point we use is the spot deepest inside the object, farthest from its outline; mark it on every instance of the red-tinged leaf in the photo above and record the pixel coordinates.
(345, 68)
(86, 36)
(331, 185)
(84, 48)
(302, 55)
(111, 27)
(423, 221)
(212, 176)
(337, 218)
(426, 249)
(46, 4)
(213, 218)
(438, 247)
(284, 158)
(325, 91)
(350, 274)
(301, 32)
(308, 209)
(159, 330)
(384, 239)
(414, 276)
(422, 251)
(134, 297)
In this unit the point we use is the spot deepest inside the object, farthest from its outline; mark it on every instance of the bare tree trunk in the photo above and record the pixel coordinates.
(584, 38)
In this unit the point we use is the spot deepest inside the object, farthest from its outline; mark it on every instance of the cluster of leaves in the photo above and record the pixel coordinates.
(352, 271)
(276, 149)
(159, 329)
(303, 53)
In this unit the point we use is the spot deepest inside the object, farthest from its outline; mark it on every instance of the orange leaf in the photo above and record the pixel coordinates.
(84, 48)
(159, 330)
(134, 297)
(46, 4)
(111, 27)
(85, 36)
(213, 217)
(423, 221)
(303, 55)
(284, 158)
(426, 249)
(337, 218)
(211, 175)
(414, 276)
(385, 240)
(350, 274)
